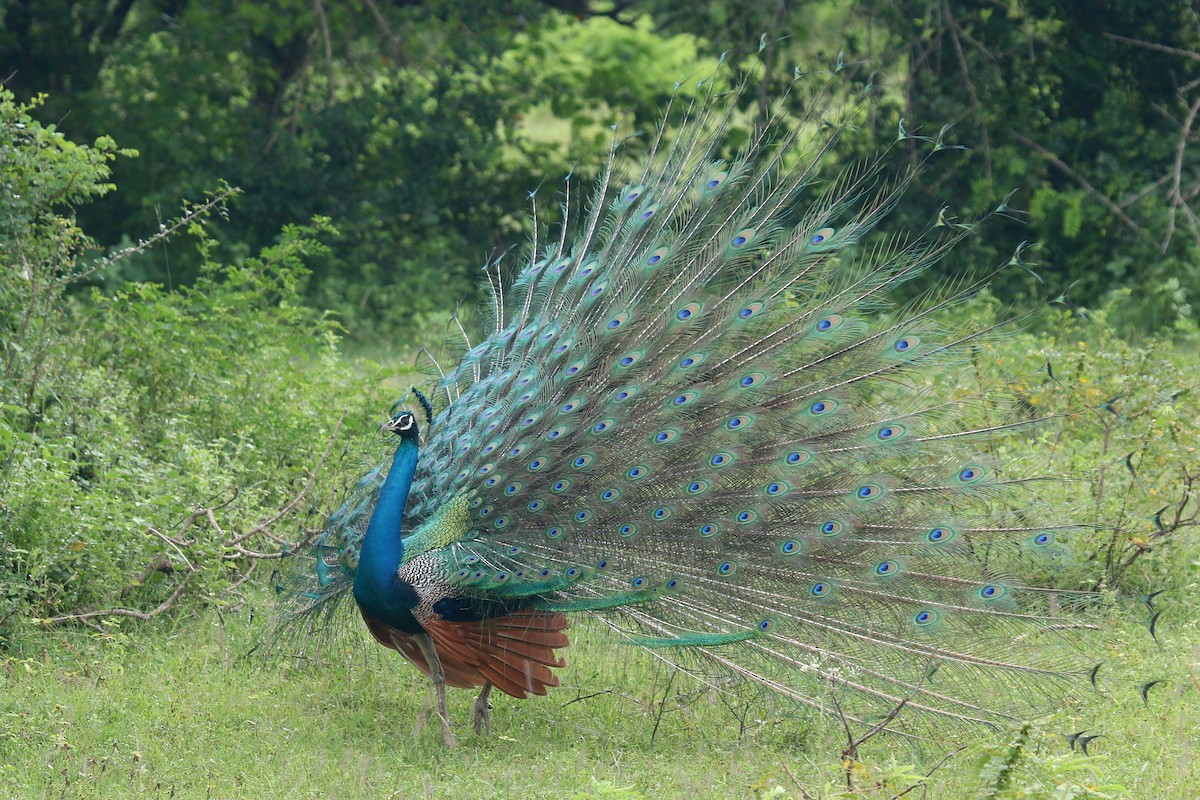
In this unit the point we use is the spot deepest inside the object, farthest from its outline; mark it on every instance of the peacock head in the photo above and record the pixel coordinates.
(403, 425)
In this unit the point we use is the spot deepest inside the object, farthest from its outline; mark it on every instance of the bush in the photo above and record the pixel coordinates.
(143, 434)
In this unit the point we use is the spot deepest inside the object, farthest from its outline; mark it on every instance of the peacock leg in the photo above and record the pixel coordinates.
(438, 676)
(483, 711)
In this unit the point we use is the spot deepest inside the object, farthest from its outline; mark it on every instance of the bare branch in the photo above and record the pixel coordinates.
(319, 10)
(291, 505)
(394, 42)
(124, 612)
(238, 583)
(977, 106)
(1082, 181)
(1176, 195)
(191, 214)
(179, 543)
(1145, 190)
(804, 793)
(932, 770)
(1162, 48)
(191, 567)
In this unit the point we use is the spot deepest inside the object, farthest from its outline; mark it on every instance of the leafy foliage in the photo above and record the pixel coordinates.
(124, 409)
(417, 152)
(123, 412)
(1082, 110)
(421, 128)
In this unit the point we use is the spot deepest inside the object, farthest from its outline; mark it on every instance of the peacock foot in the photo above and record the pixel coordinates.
(438, 675)
(443, 714)
(448, 735)
(483, 711)
(431, 709)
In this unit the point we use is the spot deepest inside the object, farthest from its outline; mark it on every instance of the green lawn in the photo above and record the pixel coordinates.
(162, 712)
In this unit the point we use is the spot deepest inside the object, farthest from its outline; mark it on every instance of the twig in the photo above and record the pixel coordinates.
(249, 571)
(977, 107)
(1082, 181)
(124, 612)
(1168, 529)
(662, 707)
(212, 520)
(178, 543)
(393, 40)
(247, 553)
(1162, 48)
(191, 567)
(1176, 194)
(851, 751)
(807, 796)
(290, 506)
(197, 512)
(932, 770)
(319, 10)
(1138, 195)
(192, 213)
(586, 697)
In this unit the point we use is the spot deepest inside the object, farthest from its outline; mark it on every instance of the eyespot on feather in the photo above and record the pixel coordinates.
(829, 323)
(742, 238)
(657, 256)
(821, 237)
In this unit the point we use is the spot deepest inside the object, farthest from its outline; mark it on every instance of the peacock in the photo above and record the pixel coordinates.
(695, 413)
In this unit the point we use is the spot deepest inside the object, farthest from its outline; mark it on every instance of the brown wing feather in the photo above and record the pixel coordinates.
(458, 674)
(515, 652)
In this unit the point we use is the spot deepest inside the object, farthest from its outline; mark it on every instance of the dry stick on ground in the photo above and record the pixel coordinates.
(179, 544)
(125, 612)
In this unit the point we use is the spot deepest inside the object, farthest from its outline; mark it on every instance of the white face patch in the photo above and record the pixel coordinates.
(405, 422)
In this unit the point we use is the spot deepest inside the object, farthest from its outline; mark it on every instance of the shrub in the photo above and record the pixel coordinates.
(144, 434)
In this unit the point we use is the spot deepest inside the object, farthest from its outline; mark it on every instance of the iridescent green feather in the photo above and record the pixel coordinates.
(698, 413)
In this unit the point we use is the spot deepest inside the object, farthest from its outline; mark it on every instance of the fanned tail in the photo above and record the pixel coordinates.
(698, 414)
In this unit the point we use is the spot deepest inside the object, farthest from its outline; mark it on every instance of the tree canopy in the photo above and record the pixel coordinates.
(421, 129)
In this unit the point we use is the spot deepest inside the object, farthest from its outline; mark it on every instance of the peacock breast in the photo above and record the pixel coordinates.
(387, 598)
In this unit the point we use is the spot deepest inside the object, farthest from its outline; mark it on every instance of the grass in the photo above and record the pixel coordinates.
(167, 712)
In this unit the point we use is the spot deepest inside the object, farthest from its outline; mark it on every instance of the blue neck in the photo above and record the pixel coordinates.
(375, 585)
